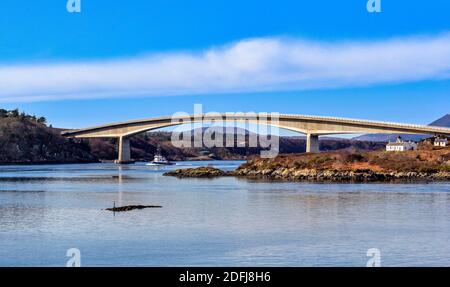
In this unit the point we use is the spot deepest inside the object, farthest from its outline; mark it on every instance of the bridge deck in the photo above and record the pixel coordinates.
(397, 127)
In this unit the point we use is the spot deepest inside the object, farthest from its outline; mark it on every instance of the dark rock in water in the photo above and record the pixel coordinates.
(200, 172)
(132, 207)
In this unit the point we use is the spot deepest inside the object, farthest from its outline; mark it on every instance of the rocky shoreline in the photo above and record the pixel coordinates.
(347, 166)
(340, 166)
(293, 174)
(340, 176)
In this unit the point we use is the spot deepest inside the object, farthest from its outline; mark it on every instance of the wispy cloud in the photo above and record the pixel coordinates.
(254, 65)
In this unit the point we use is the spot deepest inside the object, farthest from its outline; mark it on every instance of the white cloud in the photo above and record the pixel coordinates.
(254, 65)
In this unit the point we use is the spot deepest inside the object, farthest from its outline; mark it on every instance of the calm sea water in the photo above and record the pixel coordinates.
(45, 210)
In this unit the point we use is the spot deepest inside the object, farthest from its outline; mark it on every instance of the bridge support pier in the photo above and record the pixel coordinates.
(312, 143)
(124, 151)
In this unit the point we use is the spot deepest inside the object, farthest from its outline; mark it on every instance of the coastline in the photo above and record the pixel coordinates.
(341, 166)
(324, 176)
(343, 176)
(48, 162)
(105, 161)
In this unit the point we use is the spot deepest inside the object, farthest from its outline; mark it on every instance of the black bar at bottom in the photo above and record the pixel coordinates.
(199, 276)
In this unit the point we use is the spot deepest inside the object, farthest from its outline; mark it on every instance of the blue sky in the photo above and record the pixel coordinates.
(42, 33)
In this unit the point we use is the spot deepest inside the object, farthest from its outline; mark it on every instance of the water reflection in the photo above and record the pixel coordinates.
(227, 221)
(120, 186)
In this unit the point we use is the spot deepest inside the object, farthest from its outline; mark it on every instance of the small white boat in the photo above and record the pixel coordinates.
(159, 159)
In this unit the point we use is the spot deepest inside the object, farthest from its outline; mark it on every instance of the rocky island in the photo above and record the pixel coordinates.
(341, 166)
(200, 172)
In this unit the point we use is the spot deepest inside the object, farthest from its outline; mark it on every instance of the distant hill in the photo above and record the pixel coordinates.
(389, 137)
(23, 140)
(442, 122)
(144, 147)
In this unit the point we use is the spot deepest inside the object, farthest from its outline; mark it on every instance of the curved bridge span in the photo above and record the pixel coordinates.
(312, 126)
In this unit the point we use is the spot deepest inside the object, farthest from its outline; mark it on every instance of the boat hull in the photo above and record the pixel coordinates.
(160, 163)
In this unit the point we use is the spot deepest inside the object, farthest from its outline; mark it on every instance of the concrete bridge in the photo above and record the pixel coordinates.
(311, 126)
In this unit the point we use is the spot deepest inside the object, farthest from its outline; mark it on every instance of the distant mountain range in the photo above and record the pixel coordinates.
(442, 122)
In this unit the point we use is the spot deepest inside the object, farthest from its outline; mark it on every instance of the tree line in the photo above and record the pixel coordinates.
(15, 113)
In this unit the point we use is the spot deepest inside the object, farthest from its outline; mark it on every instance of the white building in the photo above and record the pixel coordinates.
(401, 145)
(441, 142)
